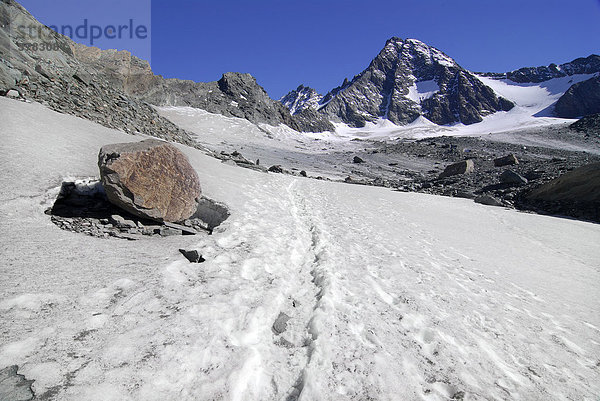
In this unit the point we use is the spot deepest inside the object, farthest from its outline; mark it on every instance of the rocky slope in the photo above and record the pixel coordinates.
(59, 80)
(406, 80)
(116, 88)
(234, 95)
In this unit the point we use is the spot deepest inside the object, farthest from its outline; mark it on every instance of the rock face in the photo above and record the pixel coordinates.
(463, 167)
(406, 80)
(150, 179)
(579, 100)
(301, 98)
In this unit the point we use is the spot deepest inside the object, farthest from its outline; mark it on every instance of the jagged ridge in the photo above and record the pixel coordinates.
(390, 88)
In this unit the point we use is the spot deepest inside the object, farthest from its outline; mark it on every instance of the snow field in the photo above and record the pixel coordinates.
(391, 296)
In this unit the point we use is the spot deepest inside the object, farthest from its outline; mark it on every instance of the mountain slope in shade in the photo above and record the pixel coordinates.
(581, 99)
(406, 80)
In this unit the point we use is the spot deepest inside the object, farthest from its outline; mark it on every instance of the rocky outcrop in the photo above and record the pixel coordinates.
(406, 80)
(582, 65)
(579, 100)
(150, 179)
(511, 177)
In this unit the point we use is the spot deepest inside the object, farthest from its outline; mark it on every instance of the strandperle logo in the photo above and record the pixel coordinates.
(91, 32)
(107, 24)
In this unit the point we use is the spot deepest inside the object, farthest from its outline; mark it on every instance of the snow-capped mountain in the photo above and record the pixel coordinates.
(301, 98)
(587, 65)
(406, 80)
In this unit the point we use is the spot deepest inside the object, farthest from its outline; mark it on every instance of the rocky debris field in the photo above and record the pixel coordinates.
(489, 169)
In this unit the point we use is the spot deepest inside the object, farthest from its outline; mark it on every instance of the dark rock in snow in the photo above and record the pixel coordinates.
(193, 256)
(150, 179)
(508, 160)
(357, 160)
(211, 212)
(462, 167)
(280, 324)
(276, 169)
(488, 200)
(14, 386)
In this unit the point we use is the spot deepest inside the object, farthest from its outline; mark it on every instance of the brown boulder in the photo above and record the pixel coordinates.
(150, 179)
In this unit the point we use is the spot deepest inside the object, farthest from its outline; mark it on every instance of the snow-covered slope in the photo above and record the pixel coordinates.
(391, 296)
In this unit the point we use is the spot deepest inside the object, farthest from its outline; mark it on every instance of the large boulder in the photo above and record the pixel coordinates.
(508, 160)
(581, 184)
(463, 167)
(576, 194)
(150, 179)
(511, 177)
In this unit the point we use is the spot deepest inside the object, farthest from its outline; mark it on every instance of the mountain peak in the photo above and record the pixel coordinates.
(302, 98)
(407, 79)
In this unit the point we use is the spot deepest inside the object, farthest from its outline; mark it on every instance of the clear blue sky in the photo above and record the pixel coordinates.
(284, 43)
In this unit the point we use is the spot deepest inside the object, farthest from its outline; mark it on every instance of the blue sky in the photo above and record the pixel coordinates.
(284, 43)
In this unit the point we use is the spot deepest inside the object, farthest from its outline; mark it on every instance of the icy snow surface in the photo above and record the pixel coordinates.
(391, 296)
